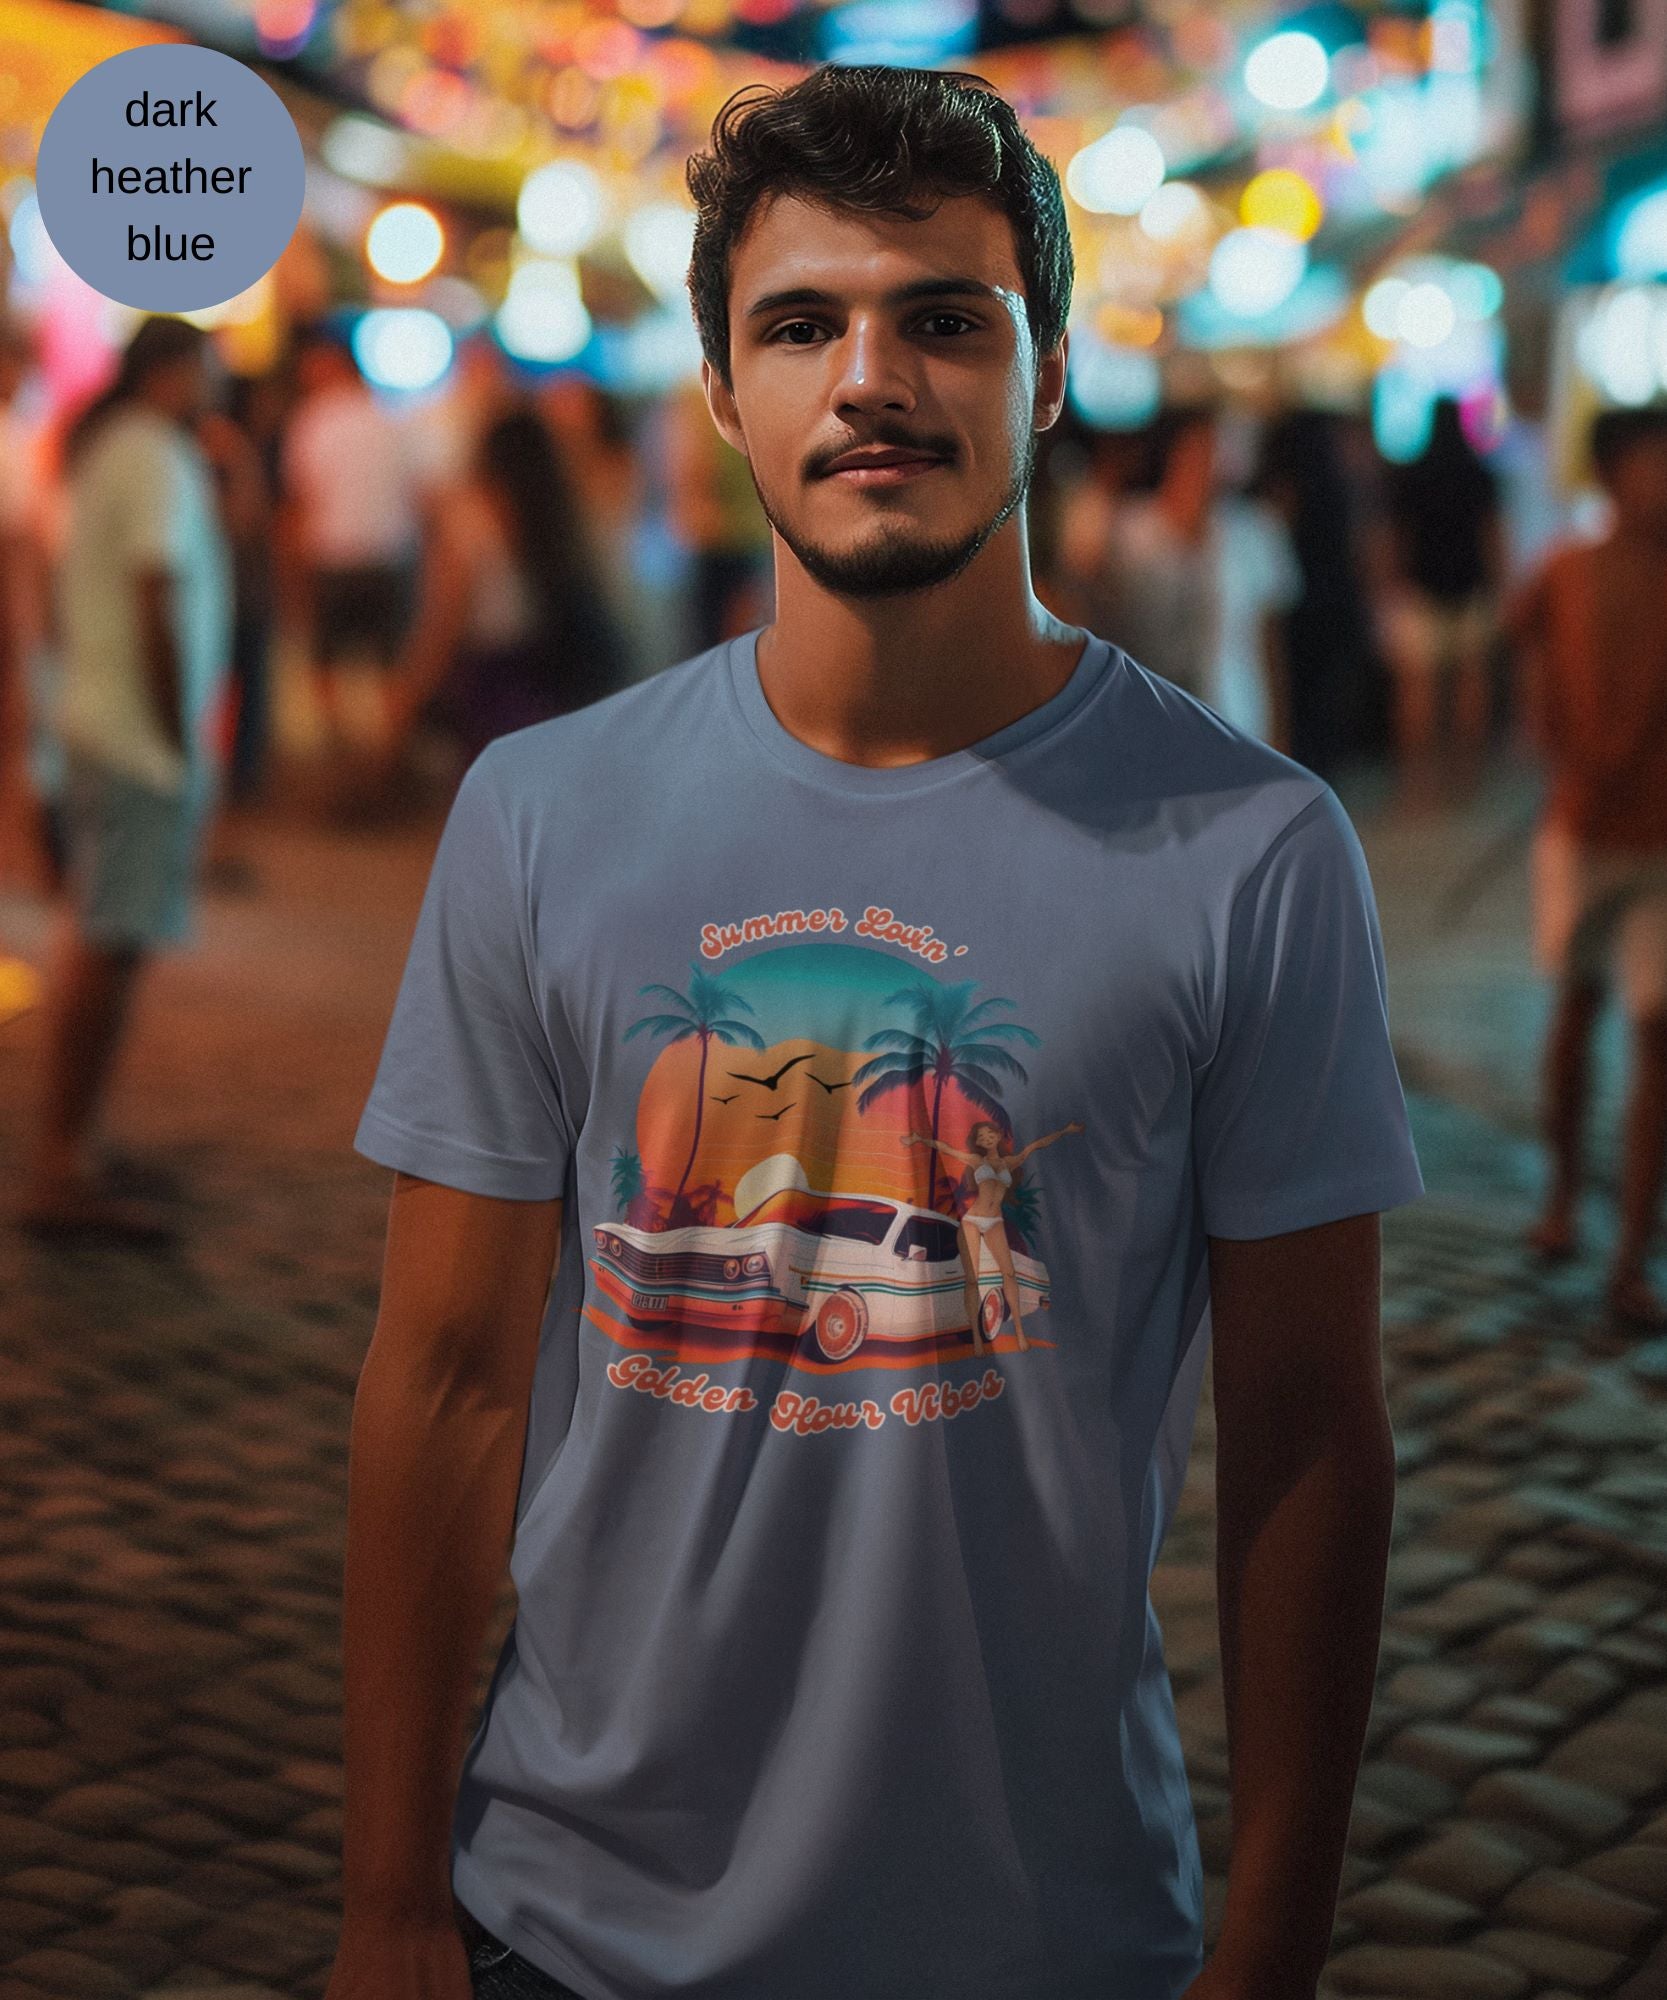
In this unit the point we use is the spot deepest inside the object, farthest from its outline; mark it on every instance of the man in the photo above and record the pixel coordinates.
(144, 619)
(350, 518)
(834, 1672)
(1594, 656)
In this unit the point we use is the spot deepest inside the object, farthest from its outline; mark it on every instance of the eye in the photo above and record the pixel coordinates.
(792, 326)
(789, 326)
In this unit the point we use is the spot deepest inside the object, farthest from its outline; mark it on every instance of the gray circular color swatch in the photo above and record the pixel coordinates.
(170, 177)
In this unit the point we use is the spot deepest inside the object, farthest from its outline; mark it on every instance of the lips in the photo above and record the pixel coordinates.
(876, 461)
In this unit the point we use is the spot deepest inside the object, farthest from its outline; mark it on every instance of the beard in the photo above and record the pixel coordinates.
(897, 561)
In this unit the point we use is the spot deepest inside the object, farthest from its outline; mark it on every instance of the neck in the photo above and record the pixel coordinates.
(887, 681)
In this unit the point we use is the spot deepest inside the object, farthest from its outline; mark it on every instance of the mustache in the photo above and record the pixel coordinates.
(880, 440)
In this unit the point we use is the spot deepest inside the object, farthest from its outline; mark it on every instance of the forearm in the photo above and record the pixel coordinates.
(1301, 1572)
(159, 655)
(434, 1468)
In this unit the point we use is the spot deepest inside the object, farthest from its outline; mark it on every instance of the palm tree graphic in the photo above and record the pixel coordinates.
(627, 1178)
(1021, 1211)
(705, 1010)
(951, 1041)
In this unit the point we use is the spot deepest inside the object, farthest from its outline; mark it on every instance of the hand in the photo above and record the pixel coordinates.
(376, 1960)
(1076, 1125)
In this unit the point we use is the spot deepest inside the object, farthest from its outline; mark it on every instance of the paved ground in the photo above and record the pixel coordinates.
(173, 1459)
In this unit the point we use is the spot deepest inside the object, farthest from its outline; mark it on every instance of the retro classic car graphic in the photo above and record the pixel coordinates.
(821, 1275)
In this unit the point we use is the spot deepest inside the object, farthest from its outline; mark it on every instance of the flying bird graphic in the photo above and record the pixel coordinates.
(830, 1088)
(730, 1099)
(770, 1082)
(774, 1115)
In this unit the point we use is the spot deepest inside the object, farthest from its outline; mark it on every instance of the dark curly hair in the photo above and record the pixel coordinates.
(864, 136)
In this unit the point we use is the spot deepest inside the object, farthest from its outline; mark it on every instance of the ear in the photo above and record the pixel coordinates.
(721, 402)
(1050, 384)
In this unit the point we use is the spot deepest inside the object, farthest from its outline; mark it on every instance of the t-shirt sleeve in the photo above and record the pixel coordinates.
(1298, 1115)
(467, 1091)
(148, 510)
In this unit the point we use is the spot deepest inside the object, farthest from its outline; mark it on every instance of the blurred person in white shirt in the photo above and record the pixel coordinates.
(350, 519)
(144, 609)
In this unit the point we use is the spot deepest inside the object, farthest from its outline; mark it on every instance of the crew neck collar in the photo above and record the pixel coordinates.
(891, 781)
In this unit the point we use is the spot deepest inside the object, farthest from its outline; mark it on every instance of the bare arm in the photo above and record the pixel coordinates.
(159, 651)
(436, 633)
(438, 1436)
(925, 1139)
(1305, 1486)
(1036, 1145)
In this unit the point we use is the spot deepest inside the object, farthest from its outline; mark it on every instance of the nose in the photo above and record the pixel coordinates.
(874, 369)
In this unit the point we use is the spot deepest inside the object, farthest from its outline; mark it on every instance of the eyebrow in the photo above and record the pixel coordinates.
(921, 288)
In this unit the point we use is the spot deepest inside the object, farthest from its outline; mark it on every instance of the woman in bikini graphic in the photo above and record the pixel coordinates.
(982, 1224)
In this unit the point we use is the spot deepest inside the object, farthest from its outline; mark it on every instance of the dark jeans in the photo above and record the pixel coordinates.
(496, 1972)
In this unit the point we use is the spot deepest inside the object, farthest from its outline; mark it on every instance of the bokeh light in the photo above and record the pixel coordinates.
(1282, 199)
(1641, 240)
(405, 243)
(1288, 72)
(1381, 307)
(561, 207)
(543, 316)
(1254, 270)
(1112, 388)
(1425, 315)
(659, 241)
(402, 347)
(31, 246)
(1619, 344)
(361, 149)
(1178, 209)
(1117, 174)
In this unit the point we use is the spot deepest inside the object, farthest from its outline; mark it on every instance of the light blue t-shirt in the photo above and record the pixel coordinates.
(834, 1675)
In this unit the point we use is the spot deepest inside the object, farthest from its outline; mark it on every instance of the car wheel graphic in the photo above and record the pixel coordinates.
(840, 1324)
(992, 1312)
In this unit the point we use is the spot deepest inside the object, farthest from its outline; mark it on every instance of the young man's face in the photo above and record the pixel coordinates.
(948, 374)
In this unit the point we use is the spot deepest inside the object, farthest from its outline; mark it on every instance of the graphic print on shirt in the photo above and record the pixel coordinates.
(824, 1169)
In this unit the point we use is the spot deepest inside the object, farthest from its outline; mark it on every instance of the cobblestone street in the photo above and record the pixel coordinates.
(173, 1450)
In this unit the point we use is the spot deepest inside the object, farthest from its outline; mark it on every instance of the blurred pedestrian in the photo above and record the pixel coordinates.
(20, 984)
(514, 625)
(714, 511)
(350, 518)
(1446, 565)
(16, 359)
(1192, 578)
(246, 513)
(144, 613)
(1594, 663)
(595, 440)
(1325, 634)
